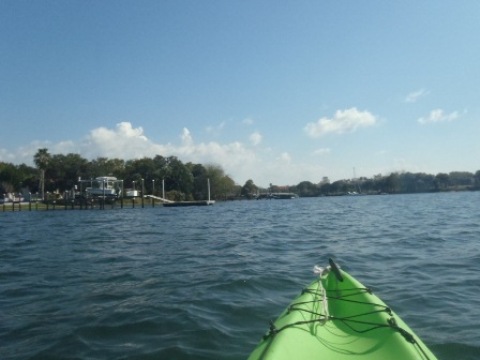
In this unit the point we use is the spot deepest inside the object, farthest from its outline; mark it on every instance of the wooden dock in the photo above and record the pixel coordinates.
(189, 203)
(163, 200)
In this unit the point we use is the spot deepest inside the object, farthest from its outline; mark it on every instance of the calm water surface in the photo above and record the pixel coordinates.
(202, 283)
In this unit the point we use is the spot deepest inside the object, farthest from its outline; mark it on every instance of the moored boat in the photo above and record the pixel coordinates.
(103, 186)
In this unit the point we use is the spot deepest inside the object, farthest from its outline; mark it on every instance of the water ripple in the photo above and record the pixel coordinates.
(202, 283)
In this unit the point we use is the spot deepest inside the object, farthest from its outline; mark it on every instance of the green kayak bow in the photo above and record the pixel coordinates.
(337, 318)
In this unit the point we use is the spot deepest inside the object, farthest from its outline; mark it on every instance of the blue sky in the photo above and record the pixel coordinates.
(272, 91)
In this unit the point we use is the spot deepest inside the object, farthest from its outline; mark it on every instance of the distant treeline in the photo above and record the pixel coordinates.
(57, 174)
(395, 183)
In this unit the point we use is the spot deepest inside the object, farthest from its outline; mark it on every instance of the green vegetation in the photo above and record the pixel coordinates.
(56, 174)
(394, 183)
(60, 173)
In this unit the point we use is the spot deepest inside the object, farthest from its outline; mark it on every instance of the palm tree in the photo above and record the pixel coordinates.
(42, 159)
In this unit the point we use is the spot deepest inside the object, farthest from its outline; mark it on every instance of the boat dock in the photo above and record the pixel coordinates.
(163, 200)
(189, 203)
(103, 192)
(277, 196)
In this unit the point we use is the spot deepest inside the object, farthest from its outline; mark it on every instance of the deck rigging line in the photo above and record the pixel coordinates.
(348, 321)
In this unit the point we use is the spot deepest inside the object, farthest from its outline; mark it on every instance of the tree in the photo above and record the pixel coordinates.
(65, 171)
(325, 189)
(441, 181)
(306, 188)
(228, 187)
(461, 179)
(42, 159)
(103, 166)
(220, 183)
(178, 177)
(476, 180)
(200, 176)
(392, 183)
(425, 182)
(339, 187)
(28, 178)
(215, 174)
(17, 178)
(325, 180)
(368, 186)
(8, 178)
(161, 165)
(249, 189)
(139, 169)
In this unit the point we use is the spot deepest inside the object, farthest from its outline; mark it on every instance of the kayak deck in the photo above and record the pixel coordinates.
(337, 318)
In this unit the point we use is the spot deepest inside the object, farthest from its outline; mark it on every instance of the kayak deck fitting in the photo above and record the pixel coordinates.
(337, 318)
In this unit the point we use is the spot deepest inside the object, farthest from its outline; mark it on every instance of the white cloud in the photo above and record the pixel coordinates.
(65, 147)
(344, 121)
(123, 130)
(416, 95)
(438, 115)
(321, 152)
(255, 138)
(247, 121)
(215, 130)
(186, 137)
(285, 157)
(240, 160)
(6, 156)
(24, 154)
(124, 142)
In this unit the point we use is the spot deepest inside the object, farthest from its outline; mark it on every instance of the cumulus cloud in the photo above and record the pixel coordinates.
(123, 130)
(247, 121)
(241, 160)
(186, 137)
(24, 153)
(321, 152)
(127, 142)
(6, 156)
(217, 129)
(124, 141)
(285, 157)
(438, 115)
(414, 96)
(344, 121)
(255, 138)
